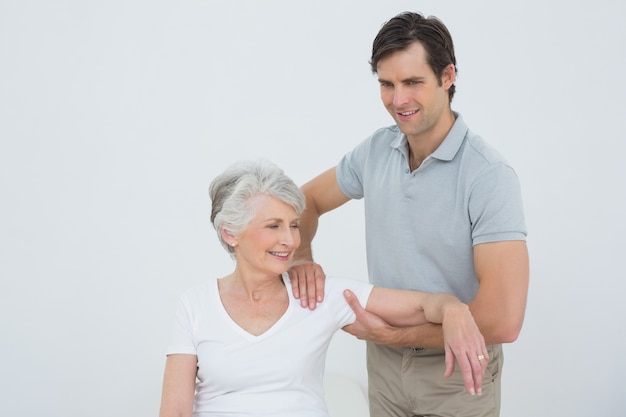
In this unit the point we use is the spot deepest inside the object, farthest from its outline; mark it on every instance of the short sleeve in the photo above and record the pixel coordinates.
(181, 339)
(496, 208)
(350, 171)
(335, 287)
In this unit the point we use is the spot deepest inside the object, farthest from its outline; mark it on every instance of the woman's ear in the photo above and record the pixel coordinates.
(228, 237)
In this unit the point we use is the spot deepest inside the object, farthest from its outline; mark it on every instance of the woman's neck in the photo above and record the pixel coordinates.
(255, 288)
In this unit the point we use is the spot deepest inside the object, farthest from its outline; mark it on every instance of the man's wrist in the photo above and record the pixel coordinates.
(392, 336)
(303, 255)
(300, 261)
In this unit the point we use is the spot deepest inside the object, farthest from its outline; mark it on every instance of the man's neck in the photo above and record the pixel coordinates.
(422, 145)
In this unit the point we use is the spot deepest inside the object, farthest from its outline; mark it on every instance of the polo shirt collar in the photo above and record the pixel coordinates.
(450, 145)
(453, 141)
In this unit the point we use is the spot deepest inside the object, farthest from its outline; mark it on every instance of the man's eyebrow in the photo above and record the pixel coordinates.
(414, 78)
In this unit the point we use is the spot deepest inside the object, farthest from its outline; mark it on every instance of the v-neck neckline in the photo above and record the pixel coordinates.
(237, 328)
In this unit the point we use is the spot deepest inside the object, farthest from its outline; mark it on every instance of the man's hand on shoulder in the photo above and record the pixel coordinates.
(307, 283)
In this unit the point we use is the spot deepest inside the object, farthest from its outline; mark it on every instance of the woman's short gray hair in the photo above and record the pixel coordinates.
(232, 190)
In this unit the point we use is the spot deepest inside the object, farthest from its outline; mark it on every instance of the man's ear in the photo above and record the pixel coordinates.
(448, 76)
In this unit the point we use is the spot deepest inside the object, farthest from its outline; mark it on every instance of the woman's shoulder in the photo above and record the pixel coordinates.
(334, 287)
(336, 284)
(200, 290)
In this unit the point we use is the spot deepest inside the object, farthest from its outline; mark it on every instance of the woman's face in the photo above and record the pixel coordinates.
(268, 244)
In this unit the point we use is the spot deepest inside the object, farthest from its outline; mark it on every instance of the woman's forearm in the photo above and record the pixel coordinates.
(438, 305)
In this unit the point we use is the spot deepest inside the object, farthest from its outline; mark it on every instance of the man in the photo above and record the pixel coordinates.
(443, 213)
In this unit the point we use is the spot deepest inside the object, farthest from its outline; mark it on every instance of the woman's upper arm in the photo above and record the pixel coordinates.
(397, 307)
(179, 385)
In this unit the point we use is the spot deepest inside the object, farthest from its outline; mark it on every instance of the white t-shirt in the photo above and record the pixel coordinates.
(278, 373)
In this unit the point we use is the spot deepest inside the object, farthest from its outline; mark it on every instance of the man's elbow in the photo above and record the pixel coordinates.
(509, 336)
(504, 332)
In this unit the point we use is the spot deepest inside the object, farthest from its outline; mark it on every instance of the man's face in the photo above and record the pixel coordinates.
(411, 92)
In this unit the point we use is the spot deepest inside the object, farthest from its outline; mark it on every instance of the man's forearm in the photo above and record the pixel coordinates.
(308, 227)
(427, 335)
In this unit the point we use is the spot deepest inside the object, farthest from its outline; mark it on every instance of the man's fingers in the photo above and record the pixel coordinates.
(307, 283)
(315, 287)
(319, 286)
(301, 282)
(352, 301)
(295, 285)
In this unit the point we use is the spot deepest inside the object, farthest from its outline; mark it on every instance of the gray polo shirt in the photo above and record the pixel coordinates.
(421, 226)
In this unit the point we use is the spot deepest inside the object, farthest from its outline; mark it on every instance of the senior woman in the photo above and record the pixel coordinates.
(243, 346)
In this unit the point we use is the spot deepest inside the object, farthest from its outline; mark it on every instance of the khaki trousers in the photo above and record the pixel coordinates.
(410, 383)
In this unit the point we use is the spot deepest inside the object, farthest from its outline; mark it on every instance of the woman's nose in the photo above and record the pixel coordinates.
(290, 237)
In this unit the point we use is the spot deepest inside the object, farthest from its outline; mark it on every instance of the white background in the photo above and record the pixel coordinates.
(115, 115)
